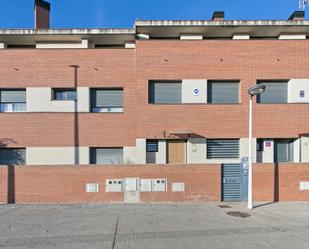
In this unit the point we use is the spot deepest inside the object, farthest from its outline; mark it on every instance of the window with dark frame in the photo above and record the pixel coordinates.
(283, 150)
(152, 145)
(106, 155)
(12, 100)
(107, 100)
(12, 156)
(260, 144)
(223, 92)
(164, 92)
(64, 94)
(276, 92)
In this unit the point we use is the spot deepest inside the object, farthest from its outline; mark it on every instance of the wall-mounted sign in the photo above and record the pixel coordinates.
(267, 143)
(302, 93)
(196, 92)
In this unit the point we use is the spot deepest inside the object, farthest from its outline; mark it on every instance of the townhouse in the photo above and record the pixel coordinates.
(158, 112)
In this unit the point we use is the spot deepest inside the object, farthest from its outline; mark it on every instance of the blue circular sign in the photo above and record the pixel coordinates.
(196, 91)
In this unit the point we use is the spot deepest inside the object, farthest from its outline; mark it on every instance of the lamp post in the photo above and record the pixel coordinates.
(253, 91)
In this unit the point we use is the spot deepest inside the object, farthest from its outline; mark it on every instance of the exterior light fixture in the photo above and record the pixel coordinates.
(253, 91)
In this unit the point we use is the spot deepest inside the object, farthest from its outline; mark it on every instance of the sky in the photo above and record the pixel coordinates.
(123, 13)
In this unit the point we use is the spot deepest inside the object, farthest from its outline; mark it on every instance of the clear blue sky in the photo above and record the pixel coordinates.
(123, 13)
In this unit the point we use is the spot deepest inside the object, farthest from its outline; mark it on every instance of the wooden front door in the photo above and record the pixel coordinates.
(176, 152)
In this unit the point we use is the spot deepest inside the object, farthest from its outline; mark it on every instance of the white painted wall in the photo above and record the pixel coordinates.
(304, 149)
(129, 45)
(129, 155)
(188, 95)
(191, 37)
(241, 37)
(49, 45)
(294, 88)
(292, 37)
(141, 151)
(266, 156)
(196, 150)
(39, 99)
(56, 155)
(83, 99)
(244, 148)
(161, 154)
(2, 45)
(296, 151)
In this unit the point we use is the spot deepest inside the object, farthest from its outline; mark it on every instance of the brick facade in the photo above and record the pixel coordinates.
(66, 184)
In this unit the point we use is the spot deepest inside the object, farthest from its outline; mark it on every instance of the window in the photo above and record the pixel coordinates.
(12, 156)
(151, 149)
(12, 100)
(276, 92)
(260, 144)
(152, 145)
(283, 151)
(106, 100)
(64, 94)
(223, 92)
(222, 148)
(106, 155)
(168, 92)
(20, 46)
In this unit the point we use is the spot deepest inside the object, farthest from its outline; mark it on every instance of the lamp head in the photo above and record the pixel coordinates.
(256, 90)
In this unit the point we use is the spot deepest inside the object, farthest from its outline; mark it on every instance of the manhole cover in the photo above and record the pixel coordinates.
(239, 214)
(224, 206)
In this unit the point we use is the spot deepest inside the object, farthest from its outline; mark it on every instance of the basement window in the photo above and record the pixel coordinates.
(12, 100)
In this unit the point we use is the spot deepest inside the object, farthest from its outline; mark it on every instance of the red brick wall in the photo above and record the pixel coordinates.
(3, 184)
(42, 17)
(280, 183)
(66, 184)
(131, 69)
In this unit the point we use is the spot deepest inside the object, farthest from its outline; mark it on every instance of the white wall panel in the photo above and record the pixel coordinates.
(194, 91)
(56, 155)
(298, 91)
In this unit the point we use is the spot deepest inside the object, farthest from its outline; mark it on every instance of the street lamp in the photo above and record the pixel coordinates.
(254, 90)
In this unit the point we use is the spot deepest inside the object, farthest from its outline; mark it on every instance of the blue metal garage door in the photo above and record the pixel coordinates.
(232, 182)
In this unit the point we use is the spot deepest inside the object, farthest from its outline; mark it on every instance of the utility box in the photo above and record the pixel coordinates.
(159, 185)
(113, 185)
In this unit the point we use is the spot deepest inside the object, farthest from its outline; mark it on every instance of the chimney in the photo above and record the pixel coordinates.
(218, 16)
(41, 14)
(297, 16)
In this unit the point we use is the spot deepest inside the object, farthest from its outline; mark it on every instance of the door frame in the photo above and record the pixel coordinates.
(185, 141)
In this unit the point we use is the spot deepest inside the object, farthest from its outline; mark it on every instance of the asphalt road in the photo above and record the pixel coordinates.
(147, 226)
